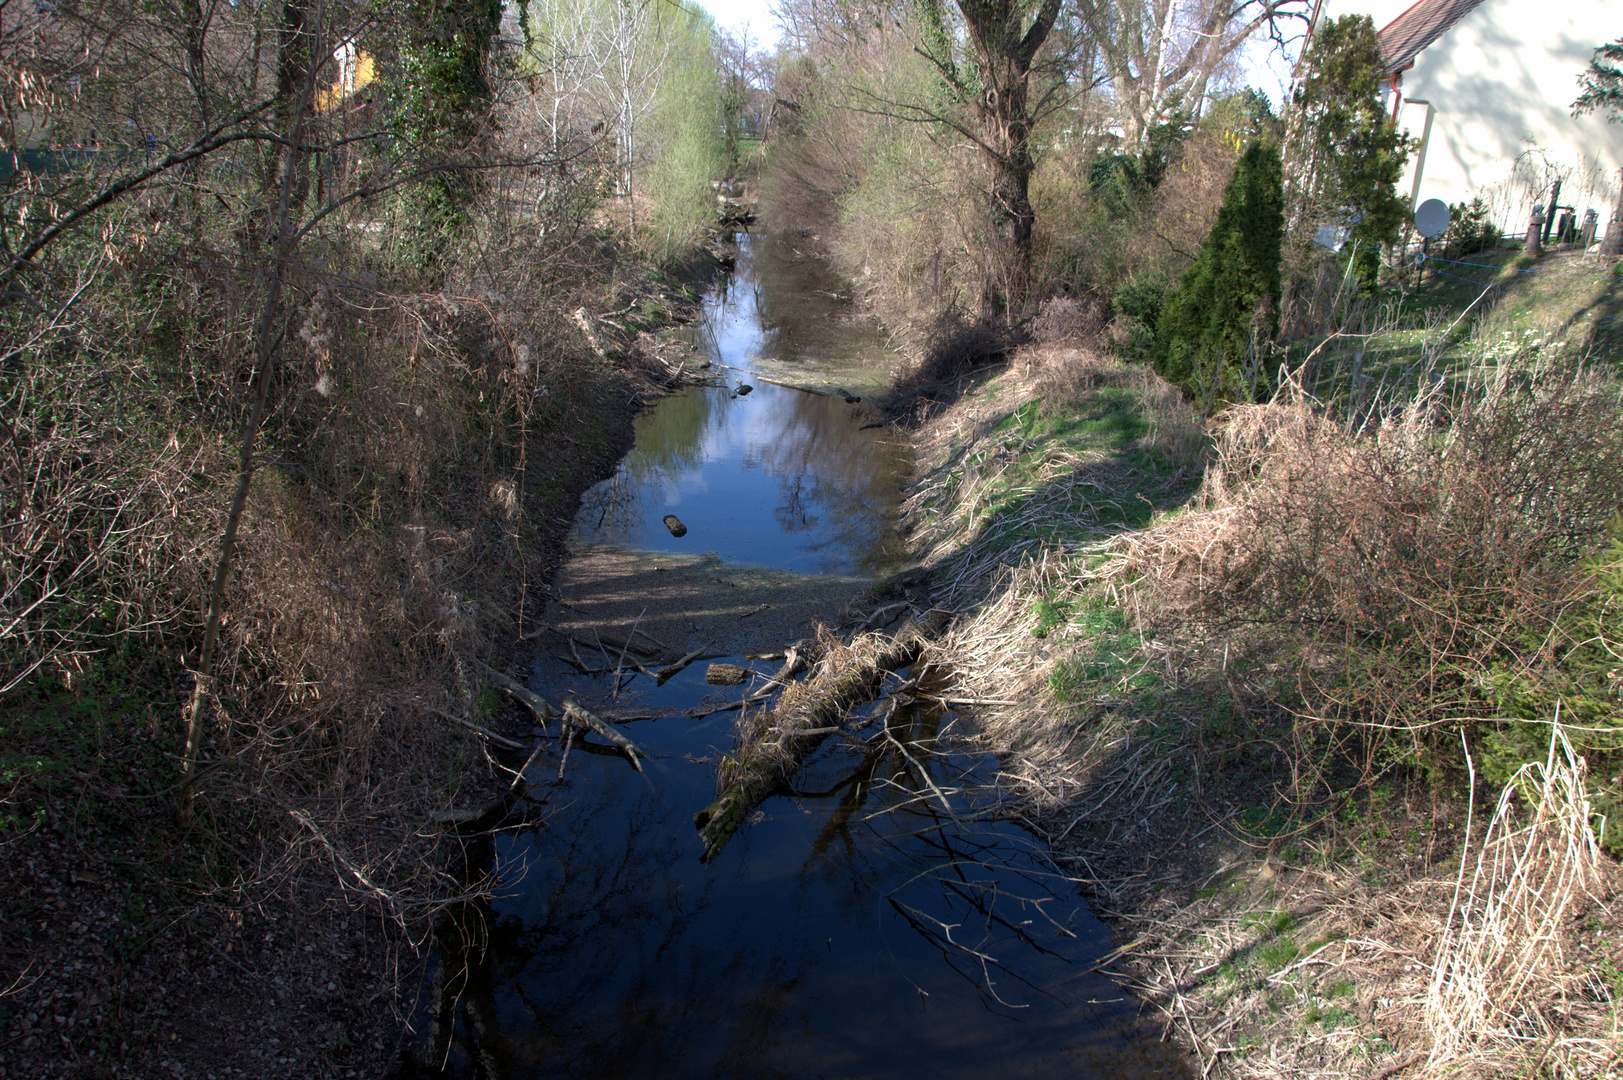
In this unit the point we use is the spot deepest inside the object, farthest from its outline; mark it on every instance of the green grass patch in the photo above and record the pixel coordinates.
(1051, 615)
(1109, 659)
(1277, 953)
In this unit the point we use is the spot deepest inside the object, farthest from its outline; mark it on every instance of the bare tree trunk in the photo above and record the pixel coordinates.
(1004, 51)
(295, 73)
(264, 370)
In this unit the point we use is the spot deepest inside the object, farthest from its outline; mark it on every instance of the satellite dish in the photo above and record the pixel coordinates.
(1431, 218)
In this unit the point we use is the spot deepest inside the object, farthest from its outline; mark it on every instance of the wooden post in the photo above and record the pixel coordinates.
(1535, 230)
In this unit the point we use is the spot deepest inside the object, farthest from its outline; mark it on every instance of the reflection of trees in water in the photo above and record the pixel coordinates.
(833, 476)
(670, 441)
(973, 890)
(798, 294)
(610, 968)
(791, 514)
(625, 957)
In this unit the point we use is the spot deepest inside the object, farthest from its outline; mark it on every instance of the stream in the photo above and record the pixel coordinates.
(881, 919)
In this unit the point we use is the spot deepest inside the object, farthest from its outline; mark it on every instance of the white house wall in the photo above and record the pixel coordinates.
(1502, 81)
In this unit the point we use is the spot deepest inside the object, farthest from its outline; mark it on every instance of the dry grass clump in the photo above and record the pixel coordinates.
(1070, 318)
(1053, 474)
(1499, 953)
(1399, 568)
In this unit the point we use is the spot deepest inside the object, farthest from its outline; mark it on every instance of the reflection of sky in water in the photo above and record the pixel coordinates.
(777, 477)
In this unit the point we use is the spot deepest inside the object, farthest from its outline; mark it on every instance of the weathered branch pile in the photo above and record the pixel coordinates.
(773, 742)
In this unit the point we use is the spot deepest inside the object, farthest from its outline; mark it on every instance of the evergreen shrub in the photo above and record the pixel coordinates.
(1212, 330)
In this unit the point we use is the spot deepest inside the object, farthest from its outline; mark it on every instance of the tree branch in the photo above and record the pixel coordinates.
(207, 144)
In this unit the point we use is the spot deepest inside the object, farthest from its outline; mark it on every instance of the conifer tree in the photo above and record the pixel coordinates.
(1213, 329)
(1603, 90)
(1345, 151)
(1603, 83)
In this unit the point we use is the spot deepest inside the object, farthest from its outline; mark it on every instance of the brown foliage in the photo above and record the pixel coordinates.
(954, 352)
(1395, 569)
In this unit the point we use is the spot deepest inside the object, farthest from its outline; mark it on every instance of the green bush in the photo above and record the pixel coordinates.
(1227, 305)
(1573, 671)
(1141, 299)
(1470, 229)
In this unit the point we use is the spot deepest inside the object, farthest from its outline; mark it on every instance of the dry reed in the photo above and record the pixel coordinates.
(1499, 954)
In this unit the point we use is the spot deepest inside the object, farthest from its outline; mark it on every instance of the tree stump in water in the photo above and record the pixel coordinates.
(726, 675)
(674, 523)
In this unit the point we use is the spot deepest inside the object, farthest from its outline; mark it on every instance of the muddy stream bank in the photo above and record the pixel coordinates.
(879, 917)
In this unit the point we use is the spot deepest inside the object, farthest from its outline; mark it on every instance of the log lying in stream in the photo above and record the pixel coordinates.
(573, 715)
(773, 743)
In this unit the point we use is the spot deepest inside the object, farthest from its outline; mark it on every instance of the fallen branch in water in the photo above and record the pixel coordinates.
(574, 714)
(523, 693)
(660, 648)
(499, 740)
(794, 661)
(666, 672)
(773, 744)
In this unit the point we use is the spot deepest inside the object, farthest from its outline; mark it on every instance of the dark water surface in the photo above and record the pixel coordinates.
(879, 921)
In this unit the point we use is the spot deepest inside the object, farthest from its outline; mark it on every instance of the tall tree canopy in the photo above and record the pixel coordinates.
(1345, 152)
(1156, 53)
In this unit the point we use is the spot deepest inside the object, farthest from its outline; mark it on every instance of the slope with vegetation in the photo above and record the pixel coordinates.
(1273, 681)
(308, 352)
(1301, 564)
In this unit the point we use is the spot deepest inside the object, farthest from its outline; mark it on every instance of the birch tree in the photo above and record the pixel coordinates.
(1151, 49)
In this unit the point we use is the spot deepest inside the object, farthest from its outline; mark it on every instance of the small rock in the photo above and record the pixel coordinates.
(725, 675)
(674, 523)
(744, 388)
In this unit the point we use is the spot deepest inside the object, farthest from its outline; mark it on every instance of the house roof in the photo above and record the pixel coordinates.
(1404, 37)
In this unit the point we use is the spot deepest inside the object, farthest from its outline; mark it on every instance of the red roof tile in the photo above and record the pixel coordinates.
(1405, 36)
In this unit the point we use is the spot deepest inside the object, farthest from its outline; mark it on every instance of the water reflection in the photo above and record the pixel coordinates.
(876, 923)
(777, 477)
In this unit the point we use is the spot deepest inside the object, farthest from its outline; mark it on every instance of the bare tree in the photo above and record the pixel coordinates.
(993, 83)
(566, 66)
(1151, 49)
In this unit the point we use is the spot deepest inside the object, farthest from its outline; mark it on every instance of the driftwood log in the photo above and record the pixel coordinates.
(573, 715)
(726, 675)
(523, 693)
(673, 669)
(773, 743)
